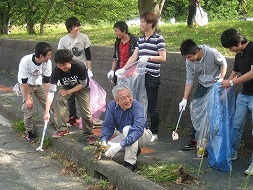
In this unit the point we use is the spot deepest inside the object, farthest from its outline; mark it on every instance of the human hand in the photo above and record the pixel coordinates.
(225, 84)
(46, 116)
(90, 74)
(114, 148)
(144, 59)
(110, 74)
(29, 103)
(182, 105)
(63, 92)
(120, 72)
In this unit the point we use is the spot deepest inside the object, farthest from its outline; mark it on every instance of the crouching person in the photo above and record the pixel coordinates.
(126, 115)
(73, 77)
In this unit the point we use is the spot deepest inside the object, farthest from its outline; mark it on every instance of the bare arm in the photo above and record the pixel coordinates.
(113, 65)
(132, 59)
(161, 58)
(187, 90)
(223, 71)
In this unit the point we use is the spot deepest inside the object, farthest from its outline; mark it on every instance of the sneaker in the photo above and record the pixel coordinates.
(91, 140)
(72, 120)
(249, 171)
(130, 166)
(30, 136)
(191, 145)
(60, 134)
(154, 138)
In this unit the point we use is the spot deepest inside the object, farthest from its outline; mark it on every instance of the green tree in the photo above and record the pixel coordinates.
(92, 11)
(5, 15)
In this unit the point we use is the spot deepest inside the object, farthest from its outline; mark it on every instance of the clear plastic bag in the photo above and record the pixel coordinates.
(17, 89)
(97, 99)
(134, 78)
(221, 116)
(200, 121)
(201, 17)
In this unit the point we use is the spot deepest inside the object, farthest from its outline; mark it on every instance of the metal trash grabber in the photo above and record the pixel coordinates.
(43, 136)
(174, 133)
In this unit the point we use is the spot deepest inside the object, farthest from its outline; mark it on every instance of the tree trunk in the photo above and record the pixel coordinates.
(30, 25)
(150, 5)
(46, 15)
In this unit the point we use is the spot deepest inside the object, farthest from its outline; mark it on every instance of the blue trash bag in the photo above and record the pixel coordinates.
(221, 116)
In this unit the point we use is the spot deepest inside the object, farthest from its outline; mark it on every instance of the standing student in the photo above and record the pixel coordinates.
(79, 45)
(193, 4)
(74, 79)
(206, 65)
(150, 50)
(33, 76)
(243, 65)
(123, 48)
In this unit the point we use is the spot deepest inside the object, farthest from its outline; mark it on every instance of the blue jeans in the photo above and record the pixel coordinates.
(244, 105)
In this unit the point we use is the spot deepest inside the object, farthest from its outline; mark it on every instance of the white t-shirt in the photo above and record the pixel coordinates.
(76, 45)
(28, 69)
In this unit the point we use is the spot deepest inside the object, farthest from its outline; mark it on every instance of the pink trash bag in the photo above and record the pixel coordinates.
(97, 100)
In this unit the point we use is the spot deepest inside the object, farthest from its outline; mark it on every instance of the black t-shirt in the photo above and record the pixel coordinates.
(243, 63)
(71, 78)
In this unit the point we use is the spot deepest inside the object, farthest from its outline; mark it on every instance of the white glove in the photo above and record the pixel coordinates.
(220, 80)
(90, 74)
(110, 74)
(144, 59)
(104, 143)
(114, 148)
(120, 72)
(182, 105)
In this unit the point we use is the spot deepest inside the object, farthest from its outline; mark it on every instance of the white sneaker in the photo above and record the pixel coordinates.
(249, 171)
(154, 138)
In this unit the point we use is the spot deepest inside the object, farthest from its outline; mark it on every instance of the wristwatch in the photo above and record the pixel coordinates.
(231, 83)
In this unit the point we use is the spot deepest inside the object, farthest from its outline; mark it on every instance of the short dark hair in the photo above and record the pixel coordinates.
(232, 37)
(72, 22)
(188, 47)
(63, 56)
(150, 17)
(42, 48)
(122, 26)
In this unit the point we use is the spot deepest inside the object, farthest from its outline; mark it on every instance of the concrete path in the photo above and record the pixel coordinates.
(23, 168)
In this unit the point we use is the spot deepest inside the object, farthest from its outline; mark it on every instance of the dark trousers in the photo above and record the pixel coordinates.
(72, 105)
(191, 14)
(152, 85)
(200, 92)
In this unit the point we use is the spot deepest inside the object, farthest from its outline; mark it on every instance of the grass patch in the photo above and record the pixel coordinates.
(174, 34)
(19, 127)
(71, 169)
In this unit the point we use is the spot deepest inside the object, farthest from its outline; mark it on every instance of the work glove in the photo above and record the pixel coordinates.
(182, 105)
(104, 143)
(110, 74)
(144, 59)
(90, 74)
(120, 72)
(220, 80)
(114, 148)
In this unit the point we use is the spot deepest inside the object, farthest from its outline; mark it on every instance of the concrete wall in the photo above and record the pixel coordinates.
(172, 76)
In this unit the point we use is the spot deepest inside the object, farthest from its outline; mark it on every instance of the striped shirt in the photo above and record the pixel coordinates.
(151, 47)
